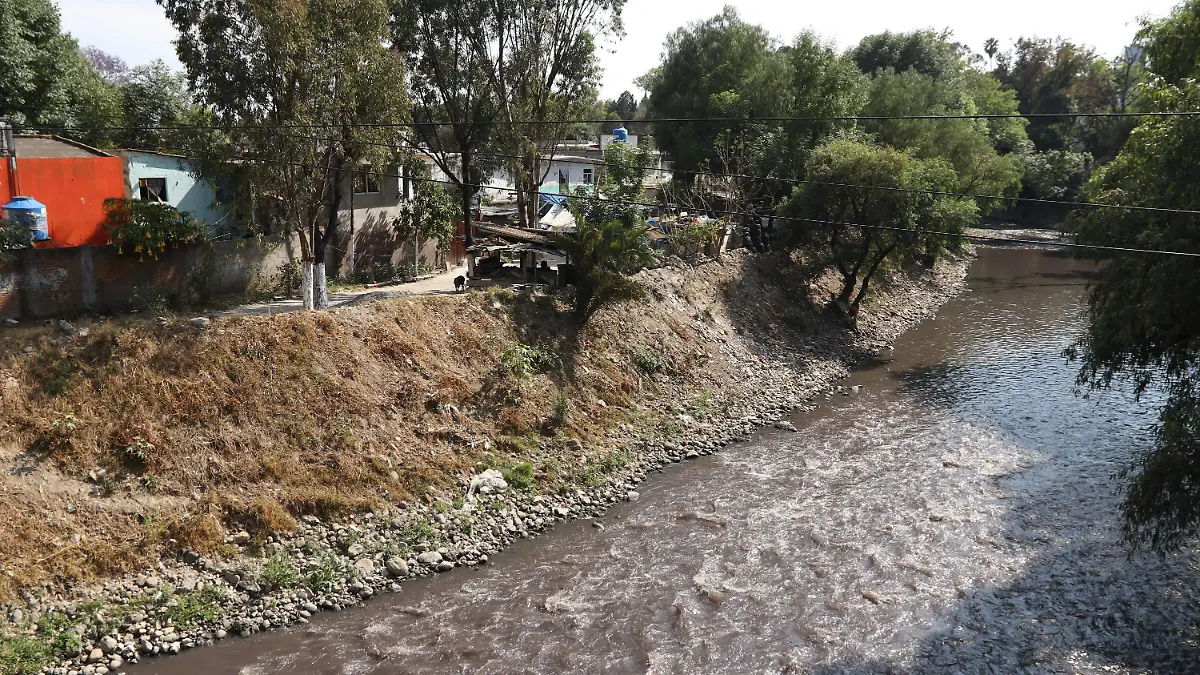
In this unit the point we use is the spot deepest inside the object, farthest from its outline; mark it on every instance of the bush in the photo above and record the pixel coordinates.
(148, 227)
(561, 408)
(602, 255)
(522, 362)
(519, 476)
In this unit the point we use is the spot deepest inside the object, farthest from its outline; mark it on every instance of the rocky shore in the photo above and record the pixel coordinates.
(331, 564)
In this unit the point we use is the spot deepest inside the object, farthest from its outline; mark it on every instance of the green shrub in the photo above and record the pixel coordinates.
(279, 573)
(648, 360)
(519, 475)
(561, 407)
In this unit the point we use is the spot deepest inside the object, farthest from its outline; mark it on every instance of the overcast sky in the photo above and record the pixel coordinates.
(136, 31)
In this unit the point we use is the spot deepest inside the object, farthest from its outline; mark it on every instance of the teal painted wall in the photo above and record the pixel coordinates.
(184, 191)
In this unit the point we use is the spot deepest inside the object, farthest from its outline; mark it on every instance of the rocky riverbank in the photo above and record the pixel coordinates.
(737, 345)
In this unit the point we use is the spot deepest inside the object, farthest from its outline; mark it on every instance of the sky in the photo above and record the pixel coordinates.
(136, 30)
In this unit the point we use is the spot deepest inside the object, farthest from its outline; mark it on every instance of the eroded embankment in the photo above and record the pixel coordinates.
(298, 462)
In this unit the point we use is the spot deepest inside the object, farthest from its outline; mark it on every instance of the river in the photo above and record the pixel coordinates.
(957, 513)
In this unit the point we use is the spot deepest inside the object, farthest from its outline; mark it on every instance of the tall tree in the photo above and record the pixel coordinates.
(540, 58)
(454, 102)
(305, 92)
(1145, 309)
(152, 98)
(720, 67)
(625, 106)
(928, 52)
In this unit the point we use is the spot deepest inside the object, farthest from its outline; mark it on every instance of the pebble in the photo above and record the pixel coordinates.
(429, 558)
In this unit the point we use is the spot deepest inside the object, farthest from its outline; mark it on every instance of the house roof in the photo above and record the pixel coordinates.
(152, 152)
(53, 147)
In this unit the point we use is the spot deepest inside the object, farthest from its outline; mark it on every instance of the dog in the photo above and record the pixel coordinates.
(460, 284)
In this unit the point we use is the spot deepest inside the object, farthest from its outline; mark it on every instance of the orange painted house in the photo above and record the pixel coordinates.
(72, 180)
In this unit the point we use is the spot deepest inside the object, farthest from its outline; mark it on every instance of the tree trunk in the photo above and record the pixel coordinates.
(468, 191)
(522, 214)
(306, 284)
(321, 242)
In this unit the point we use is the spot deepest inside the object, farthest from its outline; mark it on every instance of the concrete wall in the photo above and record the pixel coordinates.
(184, 191)
(43, 283)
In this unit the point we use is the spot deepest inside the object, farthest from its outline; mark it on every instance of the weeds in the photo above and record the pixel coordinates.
(521, 362)
(194, 608)
(22, 654)
(561, 408)
(648, 360)
(325, 574)
(139, 450)
(279, 573)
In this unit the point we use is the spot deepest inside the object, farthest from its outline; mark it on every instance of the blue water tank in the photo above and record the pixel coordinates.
(31, 213)
(621, 134)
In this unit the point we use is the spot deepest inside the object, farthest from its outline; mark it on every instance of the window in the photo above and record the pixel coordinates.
(153, 189)
(587, 176)
(365, 183)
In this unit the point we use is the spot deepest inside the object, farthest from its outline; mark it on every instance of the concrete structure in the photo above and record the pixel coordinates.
(72, 180)
(367, 235)
(169, 178)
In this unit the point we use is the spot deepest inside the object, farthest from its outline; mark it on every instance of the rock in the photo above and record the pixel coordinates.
(173, 648)
(785, 425)
(692, 454)
(16, 616)
(429, 558)
(200, 322)
(355, 550)
(220, 634)
(488, 481)
(365, 566)
(310, 608)
(67, 327)
(445, 566)
(145, 646)
(11, 322)
(109, 644)
(231, 577)
(632, 495)
(190, 557)
(240, 539)
(116, 662)
(96, 655)
(397, 567)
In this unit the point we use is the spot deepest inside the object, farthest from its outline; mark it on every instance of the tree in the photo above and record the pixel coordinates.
(44, 80)
(292, 83)
(991, 47)
(860, 231)
(978, 150)
(431, 212)
(454, 103)
(625, 107)
(151, 98)
(721, 67)
(611, 240)
(928, 52)
(540, 57)
(1172, 50)
(1145, 309)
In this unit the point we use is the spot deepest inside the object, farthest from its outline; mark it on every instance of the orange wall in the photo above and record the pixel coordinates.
(73, 190)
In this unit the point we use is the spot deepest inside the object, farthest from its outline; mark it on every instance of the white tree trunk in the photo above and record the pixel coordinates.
(319, 289)
(306, 284)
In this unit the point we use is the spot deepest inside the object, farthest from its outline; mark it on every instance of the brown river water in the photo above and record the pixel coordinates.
(956, 515)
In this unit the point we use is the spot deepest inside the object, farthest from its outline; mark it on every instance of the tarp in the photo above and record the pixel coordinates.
(547, 198)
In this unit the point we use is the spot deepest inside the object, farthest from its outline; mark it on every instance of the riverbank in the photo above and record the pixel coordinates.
(419, 399)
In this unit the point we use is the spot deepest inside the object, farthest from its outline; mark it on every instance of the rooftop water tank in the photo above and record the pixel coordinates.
(621, 134)
(31, 213)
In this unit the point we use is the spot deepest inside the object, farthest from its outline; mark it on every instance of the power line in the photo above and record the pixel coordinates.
(802, 181)
(971, 237)
(652, 120)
